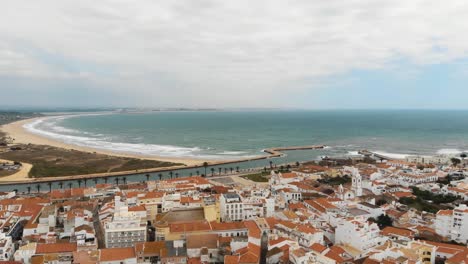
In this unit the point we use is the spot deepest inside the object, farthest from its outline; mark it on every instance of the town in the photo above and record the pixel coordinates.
(333, 211)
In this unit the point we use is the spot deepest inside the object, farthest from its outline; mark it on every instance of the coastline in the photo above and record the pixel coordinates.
(20, 135)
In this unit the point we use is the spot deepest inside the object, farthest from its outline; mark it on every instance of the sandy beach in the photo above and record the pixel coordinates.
(20, 135)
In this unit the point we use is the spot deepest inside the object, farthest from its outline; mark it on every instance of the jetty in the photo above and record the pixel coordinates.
(368, 153)
(277, 152)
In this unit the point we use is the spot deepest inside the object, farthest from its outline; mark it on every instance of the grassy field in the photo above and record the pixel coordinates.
(52, 162)
(257, 177)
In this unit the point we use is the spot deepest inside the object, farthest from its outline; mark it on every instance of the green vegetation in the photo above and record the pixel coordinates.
(455, 161)
(335, 180)
(52, 162)
(419, 204)
(257, 177)
(427, 201)
(435, 198)
(382, 221)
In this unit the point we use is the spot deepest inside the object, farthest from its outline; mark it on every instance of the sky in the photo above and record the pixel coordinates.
(311, 54)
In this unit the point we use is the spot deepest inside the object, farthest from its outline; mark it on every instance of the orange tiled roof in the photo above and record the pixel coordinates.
(189, 227)
(390, 230)
(55, 248)
(288, 175)
(318, 248)
(254, 231)
(116, 254)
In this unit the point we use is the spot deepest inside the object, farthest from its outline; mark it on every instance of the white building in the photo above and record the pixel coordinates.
(122, 233)
(125, 229)
(231, 207)
(453, 224)
(234, 207)
(359, 234)
(6, 247)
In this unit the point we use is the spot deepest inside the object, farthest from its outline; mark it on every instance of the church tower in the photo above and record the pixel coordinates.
(357, 183)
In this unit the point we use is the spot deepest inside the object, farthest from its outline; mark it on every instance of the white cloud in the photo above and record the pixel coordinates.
(218, 52)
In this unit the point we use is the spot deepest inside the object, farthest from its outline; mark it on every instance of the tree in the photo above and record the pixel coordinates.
(29, 189)
(220, 169)
(463, 155)
(205, 165)
(117, 181)
(85, 181)
(265, 169)
(212, 171)
(382, 221)
(455, 161)
(160, 176)
(79, 183)
(298, 163)
(106, 180)
(95, 181)
(198, 172)
(288, 167)
(271, 164)
(380, 202)
(147, 177)
(231, 169)
(38, 187)
(225, 170)
(70, 185)
(50, 186)
(177, 175)
(237, 168)
(170, 174)
(124, 179)
(281, 168)
(60, 184)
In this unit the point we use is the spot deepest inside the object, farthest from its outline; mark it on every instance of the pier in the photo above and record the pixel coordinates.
(365, 152)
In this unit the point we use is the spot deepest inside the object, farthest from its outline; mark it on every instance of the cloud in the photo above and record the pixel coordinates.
(235, 53)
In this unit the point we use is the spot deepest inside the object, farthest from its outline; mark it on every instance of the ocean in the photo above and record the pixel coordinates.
(222, 135)
(227, 135)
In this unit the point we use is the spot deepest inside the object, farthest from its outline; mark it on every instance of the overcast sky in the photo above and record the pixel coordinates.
(305, 54)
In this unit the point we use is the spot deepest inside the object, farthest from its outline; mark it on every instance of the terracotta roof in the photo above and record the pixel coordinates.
(460, 257)
(152, 195)
(189, 227)
(194, 260)
(231, 259)
(137, 208)
(288, 175)
(116, 254)
(227, 226)
(402, 194)
(390, 230)
(318, 248)
(55, 248)
(204, 240)
(252, 255)
(254, 231)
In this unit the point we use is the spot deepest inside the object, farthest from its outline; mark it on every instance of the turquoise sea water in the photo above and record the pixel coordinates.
(234, 134)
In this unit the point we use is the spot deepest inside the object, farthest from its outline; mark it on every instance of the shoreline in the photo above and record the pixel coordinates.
(21, 135)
